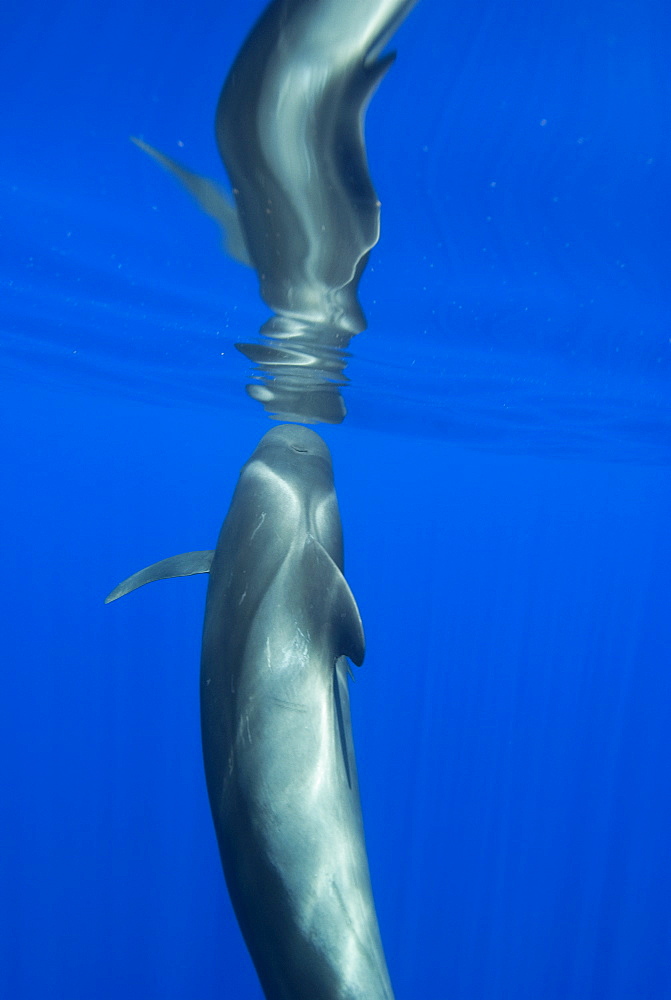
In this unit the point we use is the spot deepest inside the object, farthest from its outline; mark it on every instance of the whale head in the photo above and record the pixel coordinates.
(292, 466)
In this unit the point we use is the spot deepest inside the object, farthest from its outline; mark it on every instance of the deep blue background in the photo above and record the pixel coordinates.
(504, 483)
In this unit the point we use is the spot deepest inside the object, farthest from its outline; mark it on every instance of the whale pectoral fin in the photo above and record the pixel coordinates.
(331, 588)
(186, 564)
(211, 199)
(351, 640)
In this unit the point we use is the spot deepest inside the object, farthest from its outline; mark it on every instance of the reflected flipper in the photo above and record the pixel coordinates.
(211, 198)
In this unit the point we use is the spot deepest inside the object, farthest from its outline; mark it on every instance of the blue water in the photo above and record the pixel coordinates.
(503, 477)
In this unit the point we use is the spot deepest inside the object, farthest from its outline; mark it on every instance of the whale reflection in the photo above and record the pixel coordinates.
(289, 128)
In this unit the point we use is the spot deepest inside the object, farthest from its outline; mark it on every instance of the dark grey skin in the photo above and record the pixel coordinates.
(280, 621)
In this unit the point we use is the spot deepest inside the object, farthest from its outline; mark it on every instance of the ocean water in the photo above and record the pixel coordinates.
(503, 478)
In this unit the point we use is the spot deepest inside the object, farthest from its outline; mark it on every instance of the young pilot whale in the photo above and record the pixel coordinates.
(280, 621)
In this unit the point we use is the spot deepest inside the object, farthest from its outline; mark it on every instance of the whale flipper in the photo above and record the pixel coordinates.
(341, 614)
(211, 198)
(186, 564)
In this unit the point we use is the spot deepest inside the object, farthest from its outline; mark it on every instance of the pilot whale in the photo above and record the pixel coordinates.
(280, 622)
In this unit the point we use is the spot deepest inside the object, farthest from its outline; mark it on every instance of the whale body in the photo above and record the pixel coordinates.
(280, 622)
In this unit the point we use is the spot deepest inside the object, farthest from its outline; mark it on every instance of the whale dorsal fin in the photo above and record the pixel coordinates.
(211, 198)
(186, 564)
(332, 592)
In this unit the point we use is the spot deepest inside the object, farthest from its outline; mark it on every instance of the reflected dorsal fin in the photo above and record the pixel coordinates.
(186, 564)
